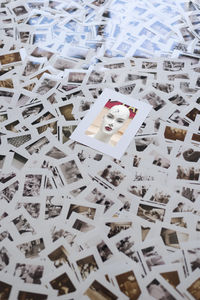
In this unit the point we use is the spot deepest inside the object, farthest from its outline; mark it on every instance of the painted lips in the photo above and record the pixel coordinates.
(108, 128)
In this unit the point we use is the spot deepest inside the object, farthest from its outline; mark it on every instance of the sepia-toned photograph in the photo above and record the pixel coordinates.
(86, 265)
(98, 291)
(32, 249)
(31, 296)
(128, 284)
(99, 198)
(151, 213)
(187, 173)
(63, 285)
(71, 172)
(104, 251)
(5, 290)
(29, 273)
(111, 175)
(138, 190)
(157, 291)
(152, 257)
(173, 133)
(59, 257)
(82, 226)
(194, 289)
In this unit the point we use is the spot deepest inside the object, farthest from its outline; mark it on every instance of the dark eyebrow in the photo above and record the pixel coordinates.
(109, 114)
(120, 119)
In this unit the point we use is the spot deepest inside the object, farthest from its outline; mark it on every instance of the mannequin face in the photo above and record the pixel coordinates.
(114, 119)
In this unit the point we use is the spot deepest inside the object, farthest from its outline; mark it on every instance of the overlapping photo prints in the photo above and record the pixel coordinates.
(100, 150)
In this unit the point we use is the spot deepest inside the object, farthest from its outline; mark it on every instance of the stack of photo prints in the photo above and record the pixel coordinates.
(99, 150)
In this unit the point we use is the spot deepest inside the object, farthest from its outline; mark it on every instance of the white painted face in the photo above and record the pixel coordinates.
(114, 119)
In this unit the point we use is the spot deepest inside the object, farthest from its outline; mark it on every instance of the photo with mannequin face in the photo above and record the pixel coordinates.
(111, 123)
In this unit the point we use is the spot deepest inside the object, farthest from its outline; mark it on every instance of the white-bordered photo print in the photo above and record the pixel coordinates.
(111, 123)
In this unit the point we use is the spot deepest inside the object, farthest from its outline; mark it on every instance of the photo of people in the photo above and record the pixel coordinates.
(87, 265)
(29, 273)
(111, 122)
(63, 285)
(157, 291)
(128, 285)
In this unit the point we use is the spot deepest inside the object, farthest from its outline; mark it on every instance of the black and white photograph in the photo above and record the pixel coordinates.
(20, 10)
(29, 273)
(71, 172)
(117, 227)
(56, 153)
(9, 192)
(86, 211)
(138, 190)
(158, 291)
(66, 132)
(152, 257)
(87, 265)
(126, 245)
(104, 251)
(59, 257)
(82, 226)
(151, 213)
(114, 177)
(52, 210)
(172, 238)
(187, 173)
(98, 197)
(4, 258)
(99, 143)
(98, 291)
(32, 185)
(23, 226)
(33, 248)
(160, 197)
(155, 100)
